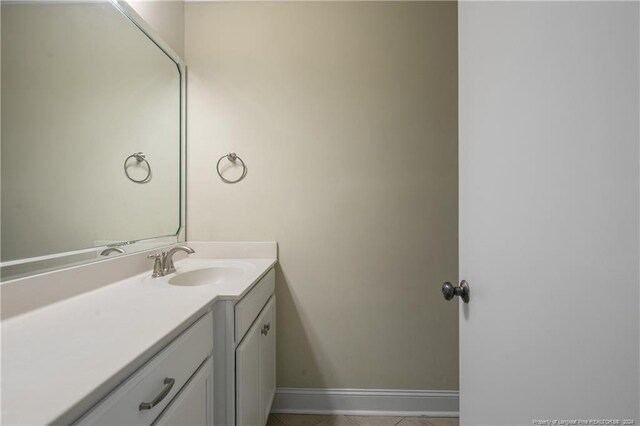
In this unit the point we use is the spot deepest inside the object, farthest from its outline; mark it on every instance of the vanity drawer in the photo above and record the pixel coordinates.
(247, 310)
(178, 361)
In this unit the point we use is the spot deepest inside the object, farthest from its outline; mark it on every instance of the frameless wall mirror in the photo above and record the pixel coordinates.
(92, 135)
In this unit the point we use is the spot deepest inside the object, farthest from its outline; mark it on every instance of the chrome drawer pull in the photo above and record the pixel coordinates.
(169, 382)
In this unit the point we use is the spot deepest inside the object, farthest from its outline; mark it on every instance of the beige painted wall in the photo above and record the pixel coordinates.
(346, 115)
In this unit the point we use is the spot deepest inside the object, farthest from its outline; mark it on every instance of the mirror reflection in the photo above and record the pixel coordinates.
(91, 134)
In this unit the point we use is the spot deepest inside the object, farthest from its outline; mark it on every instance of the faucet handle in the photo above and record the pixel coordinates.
(157, 264)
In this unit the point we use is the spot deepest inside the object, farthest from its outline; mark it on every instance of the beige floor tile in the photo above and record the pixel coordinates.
(300, 419)
(445, 421)
(337, 421)
(375, 420)
(415, 421)
(273, 421)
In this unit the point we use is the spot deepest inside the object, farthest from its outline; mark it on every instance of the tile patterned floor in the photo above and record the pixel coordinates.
(313, 420)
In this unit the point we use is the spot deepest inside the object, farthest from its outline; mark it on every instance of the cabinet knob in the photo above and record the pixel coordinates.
(266, 328)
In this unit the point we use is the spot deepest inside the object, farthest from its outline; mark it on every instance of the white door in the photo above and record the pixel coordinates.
(549, 217)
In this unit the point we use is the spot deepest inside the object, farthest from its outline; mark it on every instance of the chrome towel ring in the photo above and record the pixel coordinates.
(232, 157)
(140, 158)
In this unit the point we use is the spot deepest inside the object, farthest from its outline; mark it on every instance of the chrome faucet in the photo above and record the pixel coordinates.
(163, 262)
(167, 265)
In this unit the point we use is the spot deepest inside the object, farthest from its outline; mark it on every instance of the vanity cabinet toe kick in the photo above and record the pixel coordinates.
(219, 371)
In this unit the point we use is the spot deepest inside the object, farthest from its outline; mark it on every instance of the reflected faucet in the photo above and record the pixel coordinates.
(109, 250)
(163, 262)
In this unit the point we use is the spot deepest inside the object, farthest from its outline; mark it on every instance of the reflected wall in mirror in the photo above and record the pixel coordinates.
(84, 88)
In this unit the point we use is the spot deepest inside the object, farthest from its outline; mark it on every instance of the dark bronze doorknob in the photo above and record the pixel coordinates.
(449, 291)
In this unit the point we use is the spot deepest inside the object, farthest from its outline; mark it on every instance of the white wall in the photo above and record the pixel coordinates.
(345, 113)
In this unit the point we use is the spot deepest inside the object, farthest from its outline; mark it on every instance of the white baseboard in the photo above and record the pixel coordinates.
(366, 402)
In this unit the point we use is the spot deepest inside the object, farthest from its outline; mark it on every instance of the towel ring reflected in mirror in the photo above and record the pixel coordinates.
(140, 158)
(233, 158)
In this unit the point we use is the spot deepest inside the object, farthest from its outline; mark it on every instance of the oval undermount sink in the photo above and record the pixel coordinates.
(205, 276)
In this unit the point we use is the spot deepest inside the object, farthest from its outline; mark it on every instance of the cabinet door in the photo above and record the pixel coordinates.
(193, 406)
(267, 357)
(248, 411)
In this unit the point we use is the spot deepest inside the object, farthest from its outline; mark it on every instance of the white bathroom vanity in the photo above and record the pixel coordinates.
(196, 346)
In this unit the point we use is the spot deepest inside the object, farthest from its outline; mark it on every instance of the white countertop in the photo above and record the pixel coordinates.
(59, 360)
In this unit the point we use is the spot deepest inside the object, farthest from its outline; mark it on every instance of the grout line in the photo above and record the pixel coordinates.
(324, 418)
(277, 420)
(355, 422)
